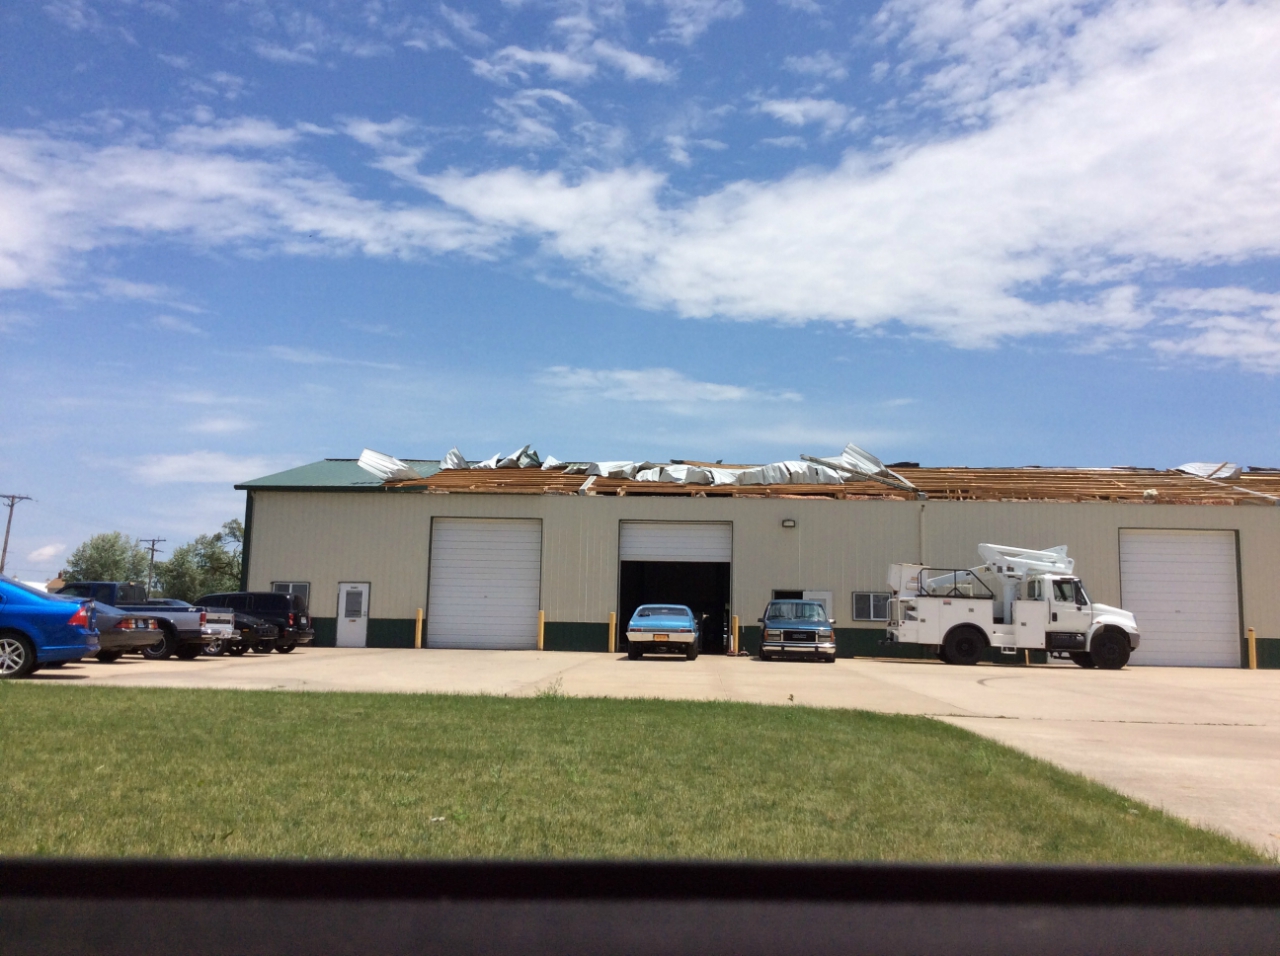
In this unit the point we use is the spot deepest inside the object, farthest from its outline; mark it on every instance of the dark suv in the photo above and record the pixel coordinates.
(288, 612)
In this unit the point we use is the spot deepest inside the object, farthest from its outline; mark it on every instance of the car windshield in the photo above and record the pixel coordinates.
(797, 611)
(663, 610)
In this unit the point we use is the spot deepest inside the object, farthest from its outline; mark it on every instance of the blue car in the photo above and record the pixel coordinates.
(37, 629)
(663, 628)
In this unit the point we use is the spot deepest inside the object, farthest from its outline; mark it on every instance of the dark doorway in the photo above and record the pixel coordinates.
(701, 586)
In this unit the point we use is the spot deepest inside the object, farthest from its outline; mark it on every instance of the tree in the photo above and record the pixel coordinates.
(209, 564)
(107, 557)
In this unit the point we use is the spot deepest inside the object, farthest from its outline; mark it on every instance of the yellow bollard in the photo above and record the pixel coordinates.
(417, 631)
(542, 626)
(733, 648)
(1253, 649)
(613, 632)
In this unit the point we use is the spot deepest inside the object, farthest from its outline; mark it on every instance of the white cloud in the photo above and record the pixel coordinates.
(304, 356)
(46, 554)
(634, 66)
(220, 426)
(1155, 151)
(517, 61)
(689, 19)
(658, 385)
(464, 24)
(803, 111)
(786, 142)
(241, 133)
(1229, 324)
(204, 467)
(171, 323)
(821, 64)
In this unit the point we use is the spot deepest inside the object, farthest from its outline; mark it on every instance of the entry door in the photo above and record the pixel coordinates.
(485, 582)
(353, 614)
(1182, 588)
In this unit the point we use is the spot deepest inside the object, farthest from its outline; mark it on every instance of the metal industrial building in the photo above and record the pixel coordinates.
(482, 550)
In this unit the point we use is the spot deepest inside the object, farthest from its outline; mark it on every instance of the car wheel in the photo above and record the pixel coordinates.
(633, 652)
(1083, 658)
(160, 650)
(188, 652)
(1110, 650)
(109, 657)
(216, 648)
(285, 648)
(17, 656)
(692, 653)
(963, 645)
(238, 650)
(262, 647)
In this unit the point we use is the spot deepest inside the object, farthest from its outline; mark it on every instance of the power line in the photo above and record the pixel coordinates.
(151, 543)
(10, 500)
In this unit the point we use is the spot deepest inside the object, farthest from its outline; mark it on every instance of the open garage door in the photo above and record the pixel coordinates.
(485, 583)
(678, 562)
(1181, 586)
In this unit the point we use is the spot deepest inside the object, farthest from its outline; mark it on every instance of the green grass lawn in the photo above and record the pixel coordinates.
(180, 773)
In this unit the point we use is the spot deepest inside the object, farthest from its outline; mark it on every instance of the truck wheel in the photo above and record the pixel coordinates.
(17, 656)
(1110, 650)
(1083, 658)
(109, 657)
(188, 652)
(963, 645)
(633, 652)
(263, 647)
(238, 650)
(691, 654)
(160, 650)
(285, 648)
(216, 648)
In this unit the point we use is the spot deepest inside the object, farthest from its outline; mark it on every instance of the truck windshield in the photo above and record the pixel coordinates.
(797, 611)
(1069, 591)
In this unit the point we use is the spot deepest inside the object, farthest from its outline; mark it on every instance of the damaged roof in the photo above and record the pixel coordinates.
(1255, 485)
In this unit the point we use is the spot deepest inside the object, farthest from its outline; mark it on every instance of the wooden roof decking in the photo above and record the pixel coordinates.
(938, 484)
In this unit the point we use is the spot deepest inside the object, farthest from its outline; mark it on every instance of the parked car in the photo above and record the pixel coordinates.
(797, 627)
(180, 633)
(288, 612)
(663, 628)
(121, 632)
(38, 628)
(249, 633)
(217, 627)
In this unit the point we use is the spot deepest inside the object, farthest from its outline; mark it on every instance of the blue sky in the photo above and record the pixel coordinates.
(239, 236)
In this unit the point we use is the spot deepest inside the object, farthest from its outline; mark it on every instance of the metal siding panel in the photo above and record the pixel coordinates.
(485, 578)
(676, 541)
(1181, 586)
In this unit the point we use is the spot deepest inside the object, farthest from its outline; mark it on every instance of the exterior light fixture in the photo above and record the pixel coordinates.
(788, 522)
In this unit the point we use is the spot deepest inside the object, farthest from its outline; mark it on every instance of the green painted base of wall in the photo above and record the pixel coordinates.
(1268, 654)
(326, 629)
(383, 632)
(575, 636)
(390, 632)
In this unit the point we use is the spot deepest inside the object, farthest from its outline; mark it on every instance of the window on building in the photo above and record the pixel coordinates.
(871, 605)
(293, 587)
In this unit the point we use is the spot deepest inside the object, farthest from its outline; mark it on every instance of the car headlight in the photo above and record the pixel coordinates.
(773, 635)
(825, 634)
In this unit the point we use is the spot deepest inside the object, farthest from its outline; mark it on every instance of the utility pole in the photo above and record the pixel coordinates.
(151, 546)
(10, 500)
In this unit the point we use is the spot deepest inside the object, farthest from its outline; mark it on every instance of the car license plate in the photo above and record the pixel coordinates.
(661, 637)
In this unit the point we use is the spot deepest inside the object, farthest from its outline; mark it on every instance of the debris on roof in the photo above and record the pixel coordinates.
(1223, 470)
(386, 467)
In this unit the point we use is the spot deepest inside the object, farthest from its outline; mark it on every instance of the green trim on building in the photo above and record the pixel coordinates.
(1268, 654)
(575, 636)
(390, 632)
(326, 629)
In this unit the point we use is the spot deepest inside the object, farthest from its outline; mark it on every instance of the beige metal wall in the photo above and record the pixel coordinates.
(837, 546)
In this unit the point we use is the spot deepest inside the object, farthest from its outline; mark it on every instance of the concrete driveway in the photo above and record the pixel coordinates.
(1200, 743)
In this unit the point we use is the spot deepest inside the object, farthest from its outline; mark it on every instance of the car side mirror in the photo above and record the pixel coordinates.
(759, 620)
(831, 621)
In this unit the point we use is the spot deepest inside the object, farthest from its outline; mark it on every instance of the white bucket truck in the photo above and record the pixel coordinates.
(1018, 600)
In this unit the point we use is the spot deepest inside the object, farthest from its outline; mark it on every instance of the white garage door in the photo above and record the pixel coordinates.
(1181, 586)
(676, 541)
(485, 576)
